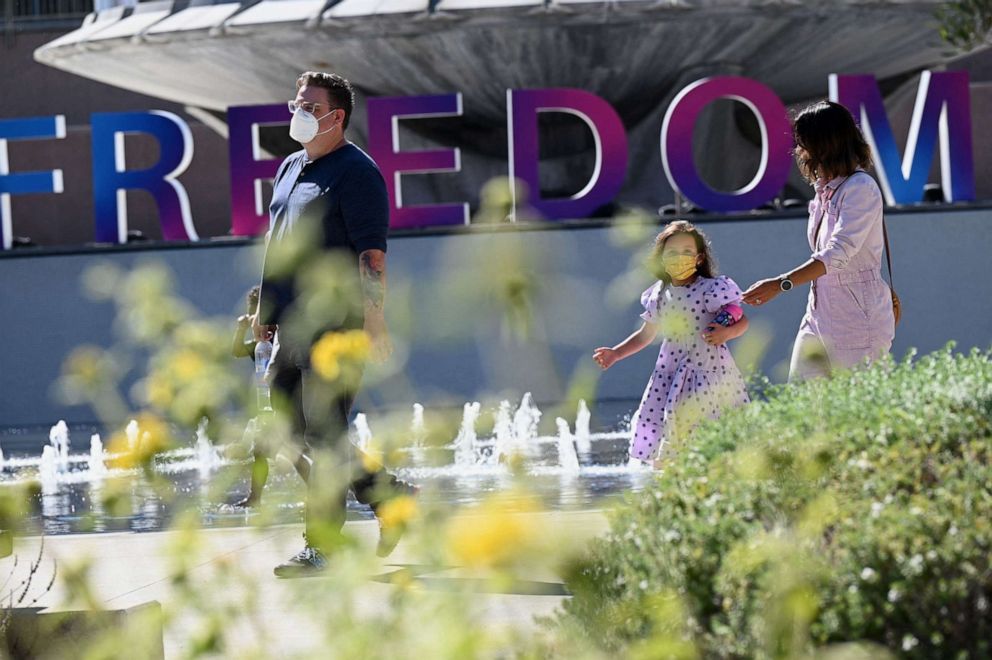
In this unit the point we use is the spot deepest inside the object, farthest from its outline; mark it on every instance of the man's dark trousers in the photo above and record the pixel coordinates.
(319, 412)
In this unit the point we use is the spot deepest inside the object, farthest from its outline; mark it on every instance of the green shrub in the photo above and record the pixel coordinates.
(851, 509)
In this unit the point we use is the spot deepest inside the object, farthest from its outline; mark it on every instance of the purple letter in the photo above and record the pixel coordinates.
(111, 178)
(607, 131)
(248, 167)
(26, 182)
(384, 147)
(942, 107)
(776, 142)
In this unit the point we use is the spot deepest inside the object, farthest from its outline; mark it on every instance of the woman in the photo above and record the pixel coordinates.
(849, 317)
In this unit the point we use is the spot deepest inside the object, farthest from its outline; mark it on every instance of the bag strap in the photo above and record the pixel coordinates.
(888, 251)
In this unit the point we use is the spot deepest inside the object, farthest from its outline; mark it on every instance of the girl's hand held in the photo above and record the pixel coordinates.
(716, 334)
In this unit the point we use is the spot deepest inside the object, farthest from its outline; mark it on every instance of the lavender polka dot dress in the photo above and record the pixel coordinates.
(692, 380)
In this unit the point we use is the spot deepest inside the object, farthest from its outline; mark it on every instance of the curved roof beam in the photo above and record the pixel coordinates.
(364, 8)
(145, 15)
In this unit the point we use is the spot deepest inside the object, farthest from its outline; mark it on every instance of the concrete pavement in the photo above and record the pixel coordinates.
(127, 569)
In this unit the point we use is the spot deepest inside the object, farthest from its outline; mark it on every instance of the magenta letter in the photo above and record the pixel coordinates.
(384, 147)
(776, 142)
(607, 131)
(248, 168)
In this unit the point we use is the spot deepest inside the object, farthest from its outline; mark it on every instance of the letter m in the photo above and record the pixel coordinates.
(943, 110)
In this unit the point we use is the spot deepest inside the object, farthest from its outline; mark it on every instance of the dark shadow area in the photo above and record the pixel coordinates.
(418, 572)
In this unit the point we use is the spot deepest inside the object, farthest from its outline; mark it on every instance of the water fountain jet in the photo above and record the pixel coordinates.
(567, 458)
(465, 449)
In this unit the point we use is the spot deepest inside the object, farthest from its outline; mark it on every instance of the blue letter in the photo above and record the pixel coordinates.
(942, 109)
(26, 182)
(111, 178)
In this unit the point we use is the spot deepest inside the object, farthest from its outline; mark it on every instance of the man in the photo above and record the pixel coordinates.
(329, 199)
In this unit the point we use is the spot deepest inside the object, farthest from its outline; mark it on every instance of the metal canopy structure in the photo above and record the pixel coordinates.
(630, 52)
(636, 54)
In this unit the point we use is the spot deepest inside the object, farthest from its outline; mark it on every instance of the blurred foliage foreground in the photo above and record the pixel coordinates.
(845, 518)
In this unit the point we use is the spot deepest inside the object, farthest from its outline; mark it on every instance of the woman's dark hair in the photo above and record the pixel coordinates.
(706, 269)
(828, 142)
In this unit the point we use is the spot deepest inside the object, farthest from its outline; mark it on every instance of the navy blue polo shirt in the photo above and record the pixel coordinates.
(341, 195)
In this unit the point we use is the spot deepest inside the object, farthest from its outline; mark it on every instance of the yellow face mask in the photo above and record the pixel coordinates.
(680, 267)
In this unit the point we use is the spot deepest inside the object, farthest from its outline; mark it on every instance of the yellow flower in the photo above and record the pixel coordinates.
(676, 324)
(159, 391)
(357, 345)
(187, 365)
(403, 579)
(85, 364)
(495, 534)
(371, 459)
(154, 437)
(120, 449)
(397, 511)
(333, 348)
(324, 362)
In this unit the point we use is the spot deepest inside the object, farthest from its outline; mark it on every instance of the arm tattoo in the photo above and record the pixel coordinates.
(372, 268)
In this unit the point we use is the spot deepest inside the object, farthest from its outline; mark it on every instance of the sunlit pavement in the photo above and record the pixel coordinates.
(128, 569)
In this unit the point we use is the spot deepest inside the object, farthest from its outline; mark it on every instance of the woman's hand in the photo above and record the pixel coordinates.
(717, 335)
(605, 357)
(762, 291)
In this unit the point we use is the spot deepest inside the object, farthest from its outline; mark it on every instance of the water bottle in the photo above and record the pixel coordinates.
(263, 353)
(728, 315)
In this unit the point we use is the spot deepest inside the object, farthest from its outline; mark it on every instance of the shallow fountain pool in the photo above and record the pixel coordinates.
(82, 492)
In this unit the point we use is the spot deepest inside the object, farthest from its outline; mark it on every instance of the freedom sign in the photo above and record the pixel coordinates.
(941, 122)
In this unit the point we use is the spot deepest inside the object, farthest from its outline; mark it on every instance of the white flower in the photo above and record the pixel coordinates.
(953, 531)
(643, 585)
(894, 595)
(909, 642)
(867, 574)
(876, 509)
(672, 535)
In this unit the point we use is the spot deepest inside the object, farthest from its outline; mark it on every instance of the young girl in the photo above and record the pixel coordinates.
(695, 376)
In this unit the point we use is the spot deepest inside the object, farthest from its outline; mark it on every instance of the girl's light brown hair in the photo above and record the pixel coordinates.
(706, 269)
(828, 142)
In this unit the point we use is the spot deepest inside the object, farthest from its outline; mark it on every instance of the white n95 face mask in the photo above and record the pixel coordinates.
(304, 126)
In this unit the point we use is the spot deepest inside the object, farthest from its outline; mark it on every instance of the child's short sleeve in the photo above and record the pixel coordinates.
(651, 300)
(722, 291)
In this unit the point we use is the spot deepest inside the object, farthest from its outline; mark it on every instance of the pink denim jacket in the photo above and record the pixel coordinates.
(849, 309)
